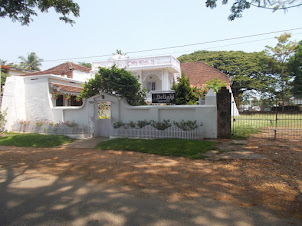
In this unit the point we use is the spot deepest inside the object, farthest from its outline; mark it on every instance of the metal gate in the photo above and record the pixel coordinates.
(103, 127)
(278, 121)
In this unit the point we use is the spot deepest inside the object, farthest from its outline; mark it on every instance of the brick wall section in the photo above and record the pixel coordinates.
(223, 99)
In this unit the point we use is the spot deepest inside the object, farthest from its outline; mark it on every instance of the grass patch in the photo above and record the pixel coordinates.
(34, 140)
(192, 149)
(245, 125)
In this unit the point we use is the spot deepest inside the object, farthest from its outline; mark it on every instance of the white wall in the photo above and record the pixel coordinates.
(13, 101)
(81, 76)
(121, 110)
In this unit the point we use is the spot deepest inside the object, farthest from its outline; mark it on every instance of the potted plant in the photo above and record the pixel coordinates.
(67, 96)
(78, 98)
(55, 96)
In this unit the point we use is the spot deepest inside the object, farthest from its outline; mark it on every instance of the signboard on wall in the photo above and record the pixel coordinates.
(163, 98)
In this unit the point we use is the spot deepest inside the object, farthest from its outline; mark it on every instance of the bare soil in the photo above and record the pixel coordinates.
(273, 180)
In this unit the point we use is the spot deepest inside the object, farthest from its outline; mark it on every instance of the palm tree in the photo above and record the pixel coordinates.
(32, 62)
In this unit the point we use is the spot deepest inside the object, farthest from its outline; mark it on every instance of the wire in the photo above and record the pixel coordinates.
(173, 47)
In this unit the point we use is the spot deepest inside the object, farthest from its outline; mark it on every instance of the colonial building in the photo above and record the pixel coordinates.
(52, 94)
(156, 74)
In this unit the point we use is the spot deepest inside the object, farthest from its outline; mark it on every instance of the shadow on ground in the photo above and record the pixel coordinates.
(91, 187)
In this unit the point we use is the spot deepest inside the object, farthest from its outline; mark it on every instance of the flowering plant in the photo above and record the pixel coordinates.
(53, 124)
(25, 123)
(40, 122)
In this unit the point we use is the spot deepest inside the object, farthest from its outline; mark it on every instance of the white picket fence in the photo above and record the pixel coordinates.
(153, 133)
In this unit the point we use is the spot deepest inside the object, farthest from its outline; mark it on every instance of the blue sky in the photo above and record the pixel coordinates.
(105, 26)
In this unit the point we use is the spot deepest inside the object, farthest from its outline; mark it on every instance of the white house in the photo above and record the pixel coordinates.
(51, 95)
(156, 74)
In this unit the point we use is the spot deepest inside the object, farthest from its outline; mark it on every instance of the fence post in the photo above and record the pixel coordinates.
(223, 100)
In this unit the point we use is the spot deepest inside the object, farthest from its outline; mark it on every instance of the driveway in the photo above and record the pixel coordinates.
(83, 186)
(29, 197)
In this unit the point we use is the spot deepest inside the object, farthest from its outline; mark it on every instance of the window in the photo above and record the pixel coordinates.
(75, 102)
(59, 101)
(151, 86)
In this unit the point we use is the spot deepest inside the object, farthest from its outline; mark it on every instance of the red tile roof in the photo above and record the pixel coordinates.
(65, 88)
(199, 73)
(61, 69)
(5, 67)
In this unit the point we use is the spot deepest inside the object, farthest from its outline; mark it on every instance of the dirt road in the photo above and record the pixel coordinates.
(81, 182)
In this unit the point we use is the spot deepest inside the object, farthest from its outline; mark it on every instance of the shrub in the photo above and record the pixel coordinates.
(40, 122)
(142, 123)
(118, 124)
(2, 120)
(24, 122)
(161, 125)
(187, 125)
(70, 124)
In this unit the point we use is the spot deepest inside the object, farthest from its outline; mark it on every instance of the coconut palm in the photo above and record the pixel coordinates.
(31, 62)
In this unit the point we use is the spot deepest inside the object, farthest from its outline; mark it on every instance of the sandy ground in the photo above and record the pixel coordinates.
(272, 180)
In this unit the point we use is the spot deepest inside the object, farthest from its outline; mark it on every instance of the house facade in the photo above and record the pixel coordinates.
(51, 95)
(156, 74)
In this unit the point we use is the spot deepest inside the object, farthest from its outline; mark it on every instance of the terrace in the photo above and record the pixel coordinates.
(145, 63)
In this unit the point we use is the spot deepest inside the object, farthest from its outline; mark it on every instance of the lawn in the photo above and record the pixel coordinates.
(34, 140)
(246, 124)
(192, 149)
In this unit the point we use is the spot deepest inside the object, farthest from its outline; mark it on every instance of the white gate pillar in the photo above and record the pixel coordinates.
(91, 117)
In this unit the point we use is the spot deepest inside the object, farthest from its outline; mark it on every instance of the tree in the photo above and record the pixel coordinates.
(240, 5)
(295, 69)
(85, 64)
(281, 54)
(215, 84)
(118, 82)
(184, 92)
(23, 10)
(32, 62)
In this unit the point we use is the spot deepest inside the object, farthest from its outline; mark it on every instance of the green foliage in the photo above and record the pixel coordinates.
(31, 62)
(34, 140)
(187, 125)
(184, 125)
(23, 10)
(70, 123)
(85, 64)
(240, 5)
(184, 92)
(281, 54)
(192, 149)
(161, 125)
(142, 123)
(3, 78)
(118, 82)
(215, 84)
(295, 69)
(2, 120)
(118, 124)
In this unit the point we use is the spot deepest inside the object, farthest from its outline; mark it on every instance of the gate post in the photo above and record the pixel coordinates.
(223, 100)
(91, 117)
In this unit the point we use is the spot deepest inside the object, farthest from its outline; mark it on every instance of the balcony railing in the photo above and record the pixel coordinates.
(160, 61)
